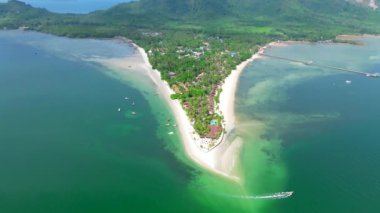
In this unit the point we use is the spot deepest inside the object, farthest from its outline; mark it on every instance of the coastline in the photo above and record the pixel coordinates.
(229, 87)
(213, 160)
(355, 36)
(274, 178)
(224, 158)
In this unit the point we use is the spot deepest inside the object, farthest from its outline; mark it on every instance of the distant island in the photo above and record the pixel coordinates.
(195, 45)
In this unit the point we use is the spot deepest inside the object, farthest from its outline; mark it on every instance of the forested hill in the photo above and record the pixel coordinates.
(283, 18)
(196, 43)
(209, 9)
(278, 13)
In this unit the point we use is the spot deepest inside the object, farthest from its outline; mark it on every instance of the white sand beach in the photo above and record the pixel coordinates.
(224, 158)
(227, 97)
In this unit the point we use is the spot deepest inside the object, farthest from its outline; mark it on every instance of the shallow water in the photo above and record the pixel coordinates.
(318, 134)
(65, 147)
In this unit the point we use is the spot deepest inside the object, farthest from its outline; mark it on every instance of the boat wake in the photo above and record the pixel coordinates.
(273, 196)
(279, 195)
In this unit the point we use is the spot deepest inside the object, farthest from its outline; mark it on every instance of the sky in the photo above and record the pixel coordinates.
(73, 6)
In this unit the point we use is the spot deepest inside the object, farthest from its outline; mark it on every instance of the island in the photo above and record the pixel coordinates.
(199, 47)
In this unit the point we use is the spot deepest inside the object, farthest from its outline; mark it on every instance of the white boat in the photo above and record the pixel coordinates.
(279, 195)
(119, 109)
(308, 62)
(126, 98)
(134, 113)
(170, 133)
(373, 75)
(348, 82)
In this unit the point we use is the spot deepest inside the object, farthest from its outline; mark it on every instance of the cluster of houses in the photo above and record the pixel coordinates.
(215, 130)
(195, 53)
(211, 100)
(151, 34)
(213, 139)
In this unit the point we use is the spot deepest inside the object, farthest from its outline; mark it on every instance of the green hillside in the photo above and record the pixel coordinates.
(196, 43)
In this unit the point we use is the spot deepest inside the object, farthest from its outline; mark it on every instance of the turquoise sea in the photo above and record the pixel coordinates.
(319, 127)
(65, 147)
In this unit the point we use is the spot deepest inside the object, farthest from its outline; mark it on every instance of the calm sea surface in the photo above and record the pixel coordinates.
(319, 133)
(65, 147)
